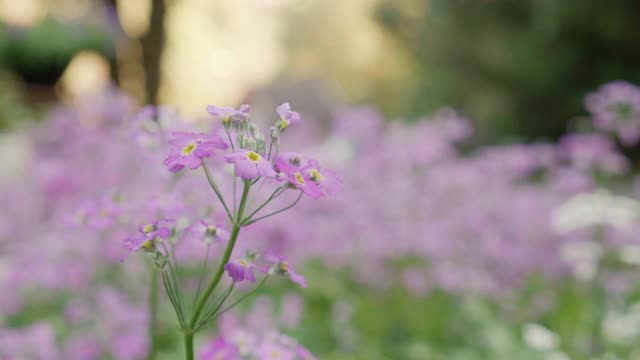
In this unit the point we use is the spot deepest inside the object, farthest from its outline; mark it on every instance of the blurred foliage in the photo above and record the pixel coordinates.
(38, 56)
(521, 67)
(13, 106)
(40, 53)
(442, 325)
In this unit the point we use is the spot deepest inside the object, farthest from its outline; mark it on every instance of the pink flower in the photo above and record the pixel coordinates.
(228, 114)
(188, 149)
(219, 349)
(280, 266)
(290, 168)
(272, 351)
(326, 180)
(249, 164)
(146, 237)
(616, 107)
(287, 117)
(208, 232)
(240, 270)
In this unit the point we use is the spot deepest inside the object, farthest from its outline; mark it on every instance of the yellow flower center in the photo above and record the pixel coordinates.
(148, 228)
(315, 175)
(211, 229)
(284, 266)
(147, 245)
(189, 149)
(283, 124)
(253, 156)
(299, 178)
(243, 262)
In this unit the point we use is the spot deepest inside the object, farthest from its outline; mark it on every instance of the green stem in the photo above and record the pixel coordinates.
(249, 221)
(273, 195)
(188, 346)
(216, 190)
(243, 297)
(203, 270)
(218, 275)
(154, 290)
(212, 312)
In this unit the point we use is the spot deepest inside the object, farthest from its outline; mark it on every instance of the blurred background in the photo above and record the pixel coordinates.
(520, 68)
(513, 211)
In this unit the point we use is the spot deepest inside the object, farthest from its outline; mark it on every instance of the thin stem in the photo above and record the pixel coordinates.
(234, 191)
(172, 272)
(273, 195)
(166, 280)
(188, 346)
(270, 148)
(154, 290)
(212, 312)
(249, 222)
(233, 147)
(203, 270)
(216, 190)
(225, 259)
(240, 299)
(254, 181)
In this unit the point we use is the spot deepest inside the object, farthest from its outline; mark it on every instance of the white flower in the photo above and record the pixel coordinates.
(539, 337)
(597, 208)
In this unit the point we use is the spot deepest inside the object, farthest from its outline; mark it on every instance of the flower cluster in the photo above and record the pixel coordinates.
(412, 195)
(252, 165)
(244, 344)
(242, 269)
(615, 107)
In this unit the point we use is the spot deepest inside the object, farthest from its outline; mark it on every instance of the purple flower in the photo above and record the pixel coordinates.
(228, 114)
(616, 107)
(146, 237)
(207, 232)
(134, 243)
(326, 180)
(188, 149)
(240, 270)
(280, 265)
(290, 168)
(220, 349)
(287, 117)
(158, 228)
(272, 351)
(249, 164)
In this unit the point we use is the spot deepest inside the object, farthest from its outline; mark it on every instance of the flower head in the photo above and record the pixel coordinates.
(306, 175)
(147, 236)
(157, 229)
(134, 243)
(208, 232)
(241, 269)
(280, 265)
(326, 180)
(188, 149)
(290, 168)
(229, 115)
(287, 117)
(249, 164)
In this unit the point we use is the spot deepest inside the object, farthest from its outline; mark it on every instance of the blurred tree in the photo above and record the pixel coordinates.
(519, 67)
(152, 47)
